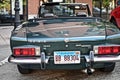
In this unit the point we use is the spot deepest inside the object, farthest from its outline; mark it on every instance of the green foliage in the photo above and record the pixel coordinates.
(5, 4)
(106, 3)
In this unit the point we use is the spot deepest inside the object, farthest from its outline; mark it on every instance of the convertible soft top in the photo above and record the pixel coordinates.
(65, 9)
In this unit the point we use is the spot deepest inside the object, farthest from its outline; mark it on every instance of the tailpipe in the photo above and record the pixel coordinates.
(89, 71)
(89, 66)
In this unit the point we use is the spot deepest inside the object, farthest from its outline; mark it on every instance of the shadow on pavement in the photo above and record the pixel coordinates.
(6, 24)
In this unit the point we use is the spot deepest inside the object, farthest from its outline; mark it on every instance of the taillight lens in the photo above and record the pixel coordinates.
(107, 49)
(24, 51)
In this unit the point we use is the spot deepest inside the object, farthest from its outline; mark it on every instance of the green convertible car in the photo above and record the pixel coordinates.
(65, 42)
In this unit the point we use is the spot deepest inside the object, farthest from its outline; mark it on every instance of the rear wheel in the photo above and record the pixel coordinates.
(108, 67)
(113, 21)
(23, 70)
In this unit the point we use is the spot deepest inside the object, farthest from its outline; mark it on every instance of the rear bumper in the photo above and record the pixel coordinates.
(46, 59)
(36, 63)
(35, 60)
(47, 62)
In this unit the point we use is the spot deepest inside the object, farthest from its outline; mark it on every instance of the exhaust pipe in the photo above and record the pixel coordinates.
(89, 66)
(89, 71)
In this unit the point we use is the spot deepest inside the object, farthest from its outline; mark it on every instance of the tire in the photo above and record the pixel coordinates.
(108, 67)
(113, 21)
(23, 70)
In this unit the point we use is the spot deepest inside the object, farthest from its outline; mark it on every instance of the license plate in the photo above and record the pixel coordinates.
(66, 57)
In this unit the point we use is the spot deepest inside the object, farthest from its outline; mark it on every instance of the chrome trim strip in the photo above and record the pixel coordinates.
(113, 36)
(19, 38)
(27, 60)
(72, 39)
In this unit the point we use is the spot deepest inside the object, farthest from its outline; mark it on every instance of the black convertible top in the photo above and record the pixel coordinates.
(67, 6)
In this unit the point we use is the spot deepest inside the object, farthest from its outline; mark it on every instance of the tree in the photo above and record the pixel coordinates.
(5, 4)
(106, 4)
(1, 1)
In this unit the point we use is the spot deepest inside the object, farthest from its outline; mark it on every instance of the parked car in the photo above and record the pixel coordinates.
(115, 16)
(104, 13)
(7, 18)
(65, 43)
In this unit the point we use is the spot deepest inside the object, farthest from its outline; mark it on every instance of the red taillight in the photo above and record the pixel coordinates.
(24, 51)
(116, 49)
(107, 50)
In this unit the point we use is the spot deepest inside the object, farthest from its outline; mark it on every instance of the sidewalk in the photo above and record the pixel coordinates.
(5, 32)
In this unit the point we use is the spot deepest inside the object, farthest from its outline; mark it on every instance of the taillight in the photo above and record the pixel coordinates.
(107, 49)
(26, 51)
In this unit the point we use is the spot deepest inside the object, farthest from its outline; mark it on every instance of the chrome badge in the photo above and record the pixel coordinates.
(66, 40)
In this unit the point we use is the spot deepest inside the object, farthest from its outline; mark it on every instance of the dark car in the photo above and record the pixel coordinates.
(65, 43)
(7, 18)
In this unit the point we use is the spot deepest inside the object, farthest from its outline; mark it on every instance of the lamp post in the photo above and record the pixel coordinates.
(100, 8)
(17, 16)
(11, 9)
(26, 9)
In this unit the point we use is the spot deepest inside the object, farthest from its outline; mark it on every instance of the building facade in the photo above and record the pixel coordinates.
(33, 6)
(29, 8)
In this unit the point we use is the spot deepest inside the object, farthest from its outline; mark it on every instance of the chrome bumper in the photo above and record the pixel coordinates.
(27, 60)
(45, 59)
(103, 59)
(35, 60)
(106, 58)
(38, 60)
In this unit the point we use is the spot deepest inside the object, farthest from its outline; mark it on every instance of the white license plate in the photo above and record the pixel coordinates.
(66, 57)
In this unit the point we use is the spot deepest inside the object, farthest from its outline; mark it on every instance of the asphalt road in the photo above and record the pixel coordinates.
(8, 71)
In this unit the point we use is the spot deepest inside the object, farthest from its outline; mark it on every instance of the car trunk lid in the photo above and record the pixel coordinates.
(63, 34)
